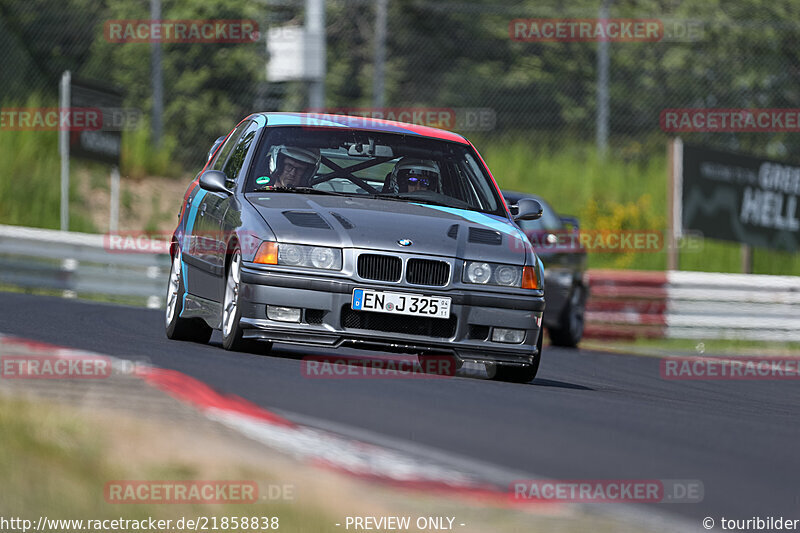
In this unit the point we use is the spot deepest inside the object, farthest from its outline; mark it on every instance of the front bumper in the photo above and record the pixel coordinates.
(328, 320)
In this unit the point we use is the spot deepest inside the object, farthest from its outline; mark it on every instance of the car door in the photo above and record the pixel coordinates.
(204, 268)
(222, 208)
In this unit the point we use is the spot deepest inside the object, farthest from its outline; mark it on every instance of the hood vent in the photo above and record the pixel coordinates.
(453, 231)
(343, 221)
(485, 236)
(306, 219)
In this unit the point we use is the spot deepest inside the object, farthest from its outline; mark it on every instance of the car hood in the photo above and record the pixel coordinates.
(368, 223)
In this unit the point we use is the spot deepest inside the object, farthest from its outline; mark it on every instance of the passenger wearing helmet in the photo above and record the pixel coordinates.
(290, 166)
(412, 175)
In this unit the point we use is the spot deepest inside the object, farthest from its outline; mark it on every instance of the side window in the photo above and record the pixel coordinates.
(456, 185)
(236, 160)
(222, 156)
(479, 182)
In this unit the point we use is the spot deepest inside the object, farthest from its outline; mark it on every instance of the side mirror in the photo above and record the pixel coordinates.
(214, 148)
(214, 181)
(528, 209)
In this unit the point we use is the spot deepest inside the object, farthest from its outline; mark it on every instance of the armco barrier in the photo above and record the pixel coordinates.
(626, 304)
(623, 304)
(692, 305)
(78, 264)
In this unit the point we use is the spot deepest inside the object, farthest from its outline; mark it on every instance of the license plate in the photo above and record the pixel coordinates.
(401, 304)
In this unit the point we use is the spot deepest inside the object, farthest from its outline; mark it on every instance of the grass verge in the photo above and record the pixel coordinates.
(56, 463)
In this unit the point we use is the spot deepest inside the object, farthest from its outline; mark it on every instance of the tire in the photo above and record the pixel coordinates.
(177, 328)
(572, 320)
(520, 374)
(232, 331)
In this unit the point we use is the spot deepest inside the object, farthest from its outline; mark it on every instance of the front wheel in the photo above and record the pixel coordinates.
(520, 374)
(231, 311)
(177, 328)
(232, 332)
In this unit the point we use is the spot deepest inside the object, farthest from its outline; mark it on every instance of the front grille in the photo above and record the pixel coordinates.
(443, 328)
(379, 267)
(427, 272)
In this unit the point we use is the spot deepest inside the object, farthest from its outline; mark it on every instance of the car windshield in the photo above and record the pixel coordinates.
(387, 166)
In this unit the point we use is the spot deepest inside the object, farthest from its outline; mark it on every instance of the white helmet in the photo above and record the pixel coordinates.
(418, 168)
(278, 153)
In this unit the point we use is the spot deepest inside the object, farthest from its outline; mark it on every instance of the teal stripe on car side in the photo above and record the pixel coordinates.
(190, 220)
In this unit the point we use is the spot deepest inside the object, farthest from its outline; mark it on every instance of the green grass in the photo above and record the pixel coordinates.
(55, 462)
(573, 175)
(622, 192)
(30, 183)
(30, 174)
(140, 160)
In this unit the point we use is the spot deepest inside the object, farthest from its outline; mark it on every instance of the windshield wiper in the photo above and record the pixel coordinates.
(414, 198)
(301, 190)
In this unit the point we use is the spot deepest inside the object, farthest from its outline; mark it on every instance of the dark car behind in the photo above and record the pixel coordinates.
(555, 239)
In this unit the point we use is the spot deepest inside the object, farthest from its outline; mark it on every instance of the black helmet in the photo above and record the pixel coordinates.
(420, 169)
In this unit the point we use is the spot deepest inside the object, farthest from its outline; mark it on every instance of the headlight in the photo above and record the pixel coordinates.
(323, 258)
(492, 274)
(298, 255)
(508, 275)
(290, 254)
(478, 273)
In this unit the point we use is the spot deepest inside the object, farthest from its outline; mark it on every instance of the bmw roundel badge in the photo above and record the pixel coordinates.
(404, 242)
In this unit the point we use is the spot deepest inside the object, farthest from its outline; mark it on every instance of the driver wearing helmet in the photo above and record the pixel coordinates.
(412, 175)
(290, 166)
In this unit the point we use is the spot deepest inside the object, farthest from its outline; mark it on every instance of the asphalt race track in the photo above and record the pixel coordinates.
(588, 415)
